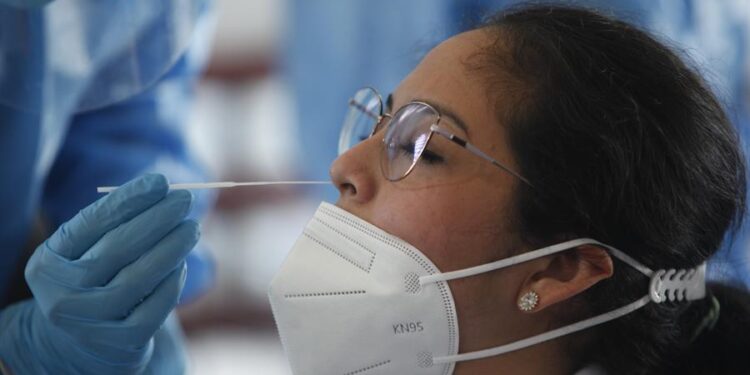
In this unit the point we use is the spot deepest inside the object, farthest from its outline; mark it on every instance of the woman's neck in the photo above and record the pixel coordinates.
(546, 358)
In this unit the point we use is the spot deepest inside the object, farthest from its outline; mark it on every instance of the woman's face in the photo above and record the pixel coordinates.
(456, 211)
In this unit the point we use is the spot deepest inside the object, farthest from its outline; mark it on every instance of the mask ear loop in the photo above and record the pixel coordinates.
(672, 285)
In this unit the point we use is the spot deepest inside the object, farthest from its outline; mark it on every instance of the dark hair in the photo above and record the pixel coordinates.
(623, 142)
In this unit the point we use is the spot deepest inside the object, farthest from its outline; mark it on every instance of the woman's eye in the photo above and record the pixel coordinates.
(428, 156)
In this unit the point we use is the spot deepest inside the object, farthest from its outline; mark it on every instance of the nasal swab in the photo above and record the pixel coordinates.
(222, 185)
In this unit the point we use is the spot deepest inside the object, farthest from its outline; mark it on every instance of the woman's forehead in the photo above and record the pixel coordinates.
(444, 69)
(444, 77)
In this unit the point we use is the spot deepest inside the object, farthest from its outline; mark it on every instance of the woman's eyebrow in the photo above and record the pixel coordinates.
(448, 113)
(444, 111)
(451, 115)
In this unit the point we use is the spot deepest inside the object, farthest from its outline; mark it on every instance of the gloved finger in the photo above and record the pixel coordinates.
(75, 236)
(126, 243)
(148, 317)
(169, 355)
(52, 279)
(137, 280)
(138, 328)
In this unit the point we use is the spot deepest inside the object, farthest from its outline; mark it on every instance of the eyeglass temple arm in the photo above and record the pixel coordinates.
(474, 150)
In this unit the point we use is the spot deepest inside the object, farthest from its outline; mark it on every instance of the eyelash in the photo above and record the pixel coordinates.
(428, 157)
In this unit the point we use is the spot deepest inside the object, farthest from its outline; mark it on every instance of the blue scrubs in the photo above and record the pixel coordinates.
(58, 143)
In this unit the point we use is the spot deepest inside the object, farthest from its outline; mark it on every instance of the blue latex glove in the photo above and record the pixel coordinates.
(169, 351)
(103, 285)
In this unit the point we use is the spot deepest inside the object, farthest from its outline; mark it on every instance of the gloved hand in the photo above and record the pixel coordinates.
(103, 284)
(169, 350)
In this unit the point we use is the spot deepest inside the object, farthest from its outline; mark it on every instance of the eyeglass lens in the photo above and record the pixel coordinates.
(405, 139)
(365, 109)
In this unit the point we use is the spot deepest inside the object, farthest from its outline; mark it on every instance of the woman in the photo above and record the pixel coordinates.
(578, 126)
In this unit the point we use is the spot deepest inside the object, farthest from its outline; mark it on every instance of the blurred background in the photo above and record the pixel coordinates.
(271, 101)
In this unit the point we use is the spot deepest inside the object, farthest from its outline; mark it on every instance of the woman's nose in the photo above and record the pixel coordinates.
(355, 173)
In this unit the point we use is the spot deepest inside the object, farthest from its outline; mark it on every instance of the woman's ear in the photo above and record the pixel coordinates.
(564, 276)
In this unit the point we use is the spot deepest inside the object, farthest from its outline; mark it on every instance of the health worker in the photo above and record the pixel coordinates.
(95, 93)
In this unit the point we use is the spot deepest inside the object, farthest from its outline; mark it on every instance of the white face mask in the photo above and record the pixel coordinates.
(351, 299)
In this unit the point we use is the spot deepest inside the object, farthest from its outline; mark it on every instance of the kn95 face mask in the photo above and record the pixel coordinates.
(351, 299)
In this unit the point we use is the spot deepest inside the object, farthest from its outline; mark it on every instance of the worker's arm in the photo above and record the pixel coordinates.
(145, 133)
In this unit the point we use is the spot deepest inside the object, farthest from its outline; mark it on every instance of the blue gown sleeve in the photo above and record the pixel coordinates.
(111, 145)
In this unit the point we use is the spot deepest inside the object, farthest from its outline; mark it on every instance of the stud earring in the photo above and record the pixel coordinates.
(528, 301)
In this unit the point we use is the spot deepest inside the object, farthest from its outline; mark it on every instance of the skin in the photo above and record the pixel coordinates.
(458, 213)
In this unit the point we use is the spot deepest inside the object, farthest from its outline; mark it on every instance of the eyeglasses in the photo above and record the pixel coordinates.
(408, 133)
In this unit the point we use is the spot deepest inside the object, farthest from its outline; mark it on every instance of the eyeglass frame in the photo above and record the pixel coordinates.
(434, 129)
